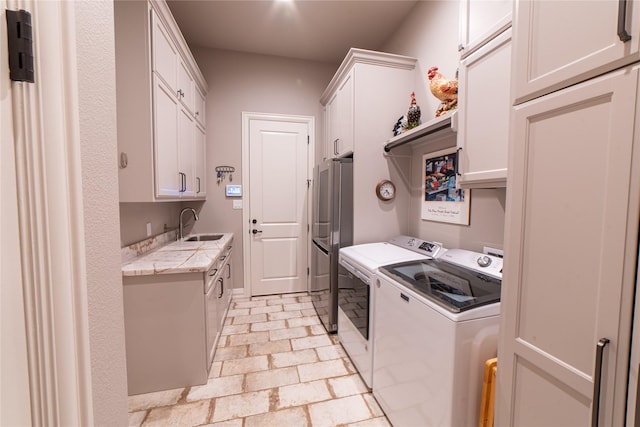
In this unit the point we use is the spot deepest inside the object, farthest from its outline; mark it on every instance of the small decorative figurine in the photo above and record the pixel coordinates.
(413, 115)
(444, 89)
(400, 126)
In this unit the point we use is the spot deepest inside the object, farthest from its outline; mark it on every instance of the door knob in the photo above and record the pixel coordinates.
(254, 231)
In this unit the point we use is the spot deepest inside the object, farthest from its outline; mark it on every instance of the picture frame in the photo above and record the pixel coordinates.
(442, 200)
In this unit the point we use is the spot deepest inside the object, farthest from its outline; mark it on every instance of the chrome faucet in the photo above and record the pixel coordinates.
(195, 216)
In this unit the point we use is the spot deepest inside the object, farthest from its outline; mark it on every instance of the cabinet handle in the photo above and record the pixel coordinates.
(597, 380)
(198, 178)
(183, 182)
(335, 146)
(622, 21)
(228, 271)
(213, 272)
(197, 113)
(221, 287)
(180, 93)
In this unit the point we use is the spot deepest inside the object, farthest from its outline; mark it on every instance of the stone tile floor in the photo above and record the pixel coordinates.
(275, 365)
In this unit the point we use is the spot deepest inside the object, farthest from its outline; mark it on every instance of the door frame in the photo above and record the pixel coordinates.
(247, 117)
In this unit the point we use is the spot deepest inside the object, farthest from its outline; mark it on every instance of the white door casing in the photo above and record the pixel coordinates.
(15, 407)
(276, 173)
(45, 190)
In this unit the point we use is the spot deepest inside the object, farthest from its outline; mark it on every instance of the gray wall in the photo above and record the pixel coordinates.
(253, 83)
(430, 34)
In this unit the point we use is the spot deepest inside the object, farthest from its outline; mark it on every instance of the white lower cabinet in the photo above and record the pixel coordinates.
(483, 114)
(173, 323)
(571, 237)
(165, 331)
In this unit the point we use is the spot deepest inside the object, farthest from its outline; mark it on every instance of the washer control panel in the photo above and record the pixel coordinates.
(425, 247)
(486, 264)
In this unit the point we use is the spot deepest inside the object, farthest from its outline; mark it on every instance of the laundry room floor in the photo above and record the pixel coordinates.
(275, 365)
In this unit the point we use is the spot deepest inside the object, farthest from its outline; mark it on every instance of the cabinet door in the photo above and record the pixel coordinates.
(200, 107)
(186, 153)
(345, 116)
(559, 43)
(165, 129)
(483, 114)
(164, 53)
(331, 115)
(200, 162)
(186, 88)
(482, 20)
(569, 271)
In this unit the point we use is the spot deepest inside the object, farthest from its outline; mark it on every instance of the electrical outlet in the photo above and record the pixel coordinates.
(148, 229)
(493, 251)
(237, 204)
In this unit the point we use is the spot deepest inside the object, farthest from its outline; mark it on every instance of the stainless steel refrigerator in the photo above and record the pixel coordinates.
(332, 229)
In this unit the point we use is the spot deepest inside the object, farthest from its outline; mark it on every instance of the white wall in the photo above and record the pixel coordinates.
(430, 34)
(255, 83)
(97, 109)
(135, 216)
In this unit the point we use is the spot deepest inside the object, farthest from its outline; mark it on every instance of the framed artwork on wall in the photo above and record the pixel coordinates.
(442, 201)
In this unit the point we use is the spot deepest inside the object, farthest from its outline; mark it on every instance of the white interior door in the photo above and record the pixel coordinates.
(278, 199)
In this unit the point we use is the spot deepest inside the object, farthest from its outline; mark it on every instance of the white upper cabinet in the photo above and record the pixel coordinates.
(482, 20)
(186, 153)
(560, 43)
(164, 53)
(160, 95)
(339, 114)
(200, 107)
(186, 88)
(200, 185)
(363, 100)
(483, 114)
(165, 126)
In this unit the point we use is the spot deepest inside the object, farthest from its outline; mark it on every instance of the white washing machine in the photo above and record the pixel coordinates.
(436, 323)
(356, 296)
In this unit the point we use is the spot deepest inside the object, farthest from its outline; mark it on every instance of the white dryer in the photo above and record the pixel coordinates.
(356, 296)
(436, 323)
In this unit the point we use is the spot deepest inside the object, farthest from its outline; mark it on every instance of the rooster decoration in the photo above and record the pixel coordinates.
(413, 115)
(444, 89)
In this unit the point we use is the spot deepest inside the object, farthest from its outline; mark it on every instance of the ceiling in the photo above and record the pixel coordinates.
(317, 30)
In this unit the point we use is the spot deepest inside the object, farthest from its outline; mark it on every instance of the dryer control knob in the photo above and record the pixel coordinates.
(484, 261)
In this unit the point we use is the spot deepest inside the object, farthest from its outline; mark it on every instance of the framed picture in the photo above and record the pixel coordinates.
(442, 201)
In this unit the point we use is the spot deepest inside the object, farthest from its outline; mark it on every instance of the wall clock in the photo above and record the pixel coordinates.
(386, 190)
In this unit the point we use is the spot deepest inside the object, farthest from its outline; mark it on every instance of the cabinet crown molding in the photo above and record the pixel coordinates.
(363, 56)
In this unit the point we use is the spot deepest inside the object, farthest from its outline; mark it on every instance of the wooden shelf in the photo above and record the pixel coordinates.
(431, 129)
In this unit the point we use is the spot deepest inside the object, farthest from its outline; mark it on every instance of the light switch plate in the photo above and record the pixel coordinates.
(237, 204)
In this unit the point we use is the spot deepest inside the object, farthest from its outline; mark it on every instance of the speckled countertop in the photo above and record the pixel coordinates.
(172, 258)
